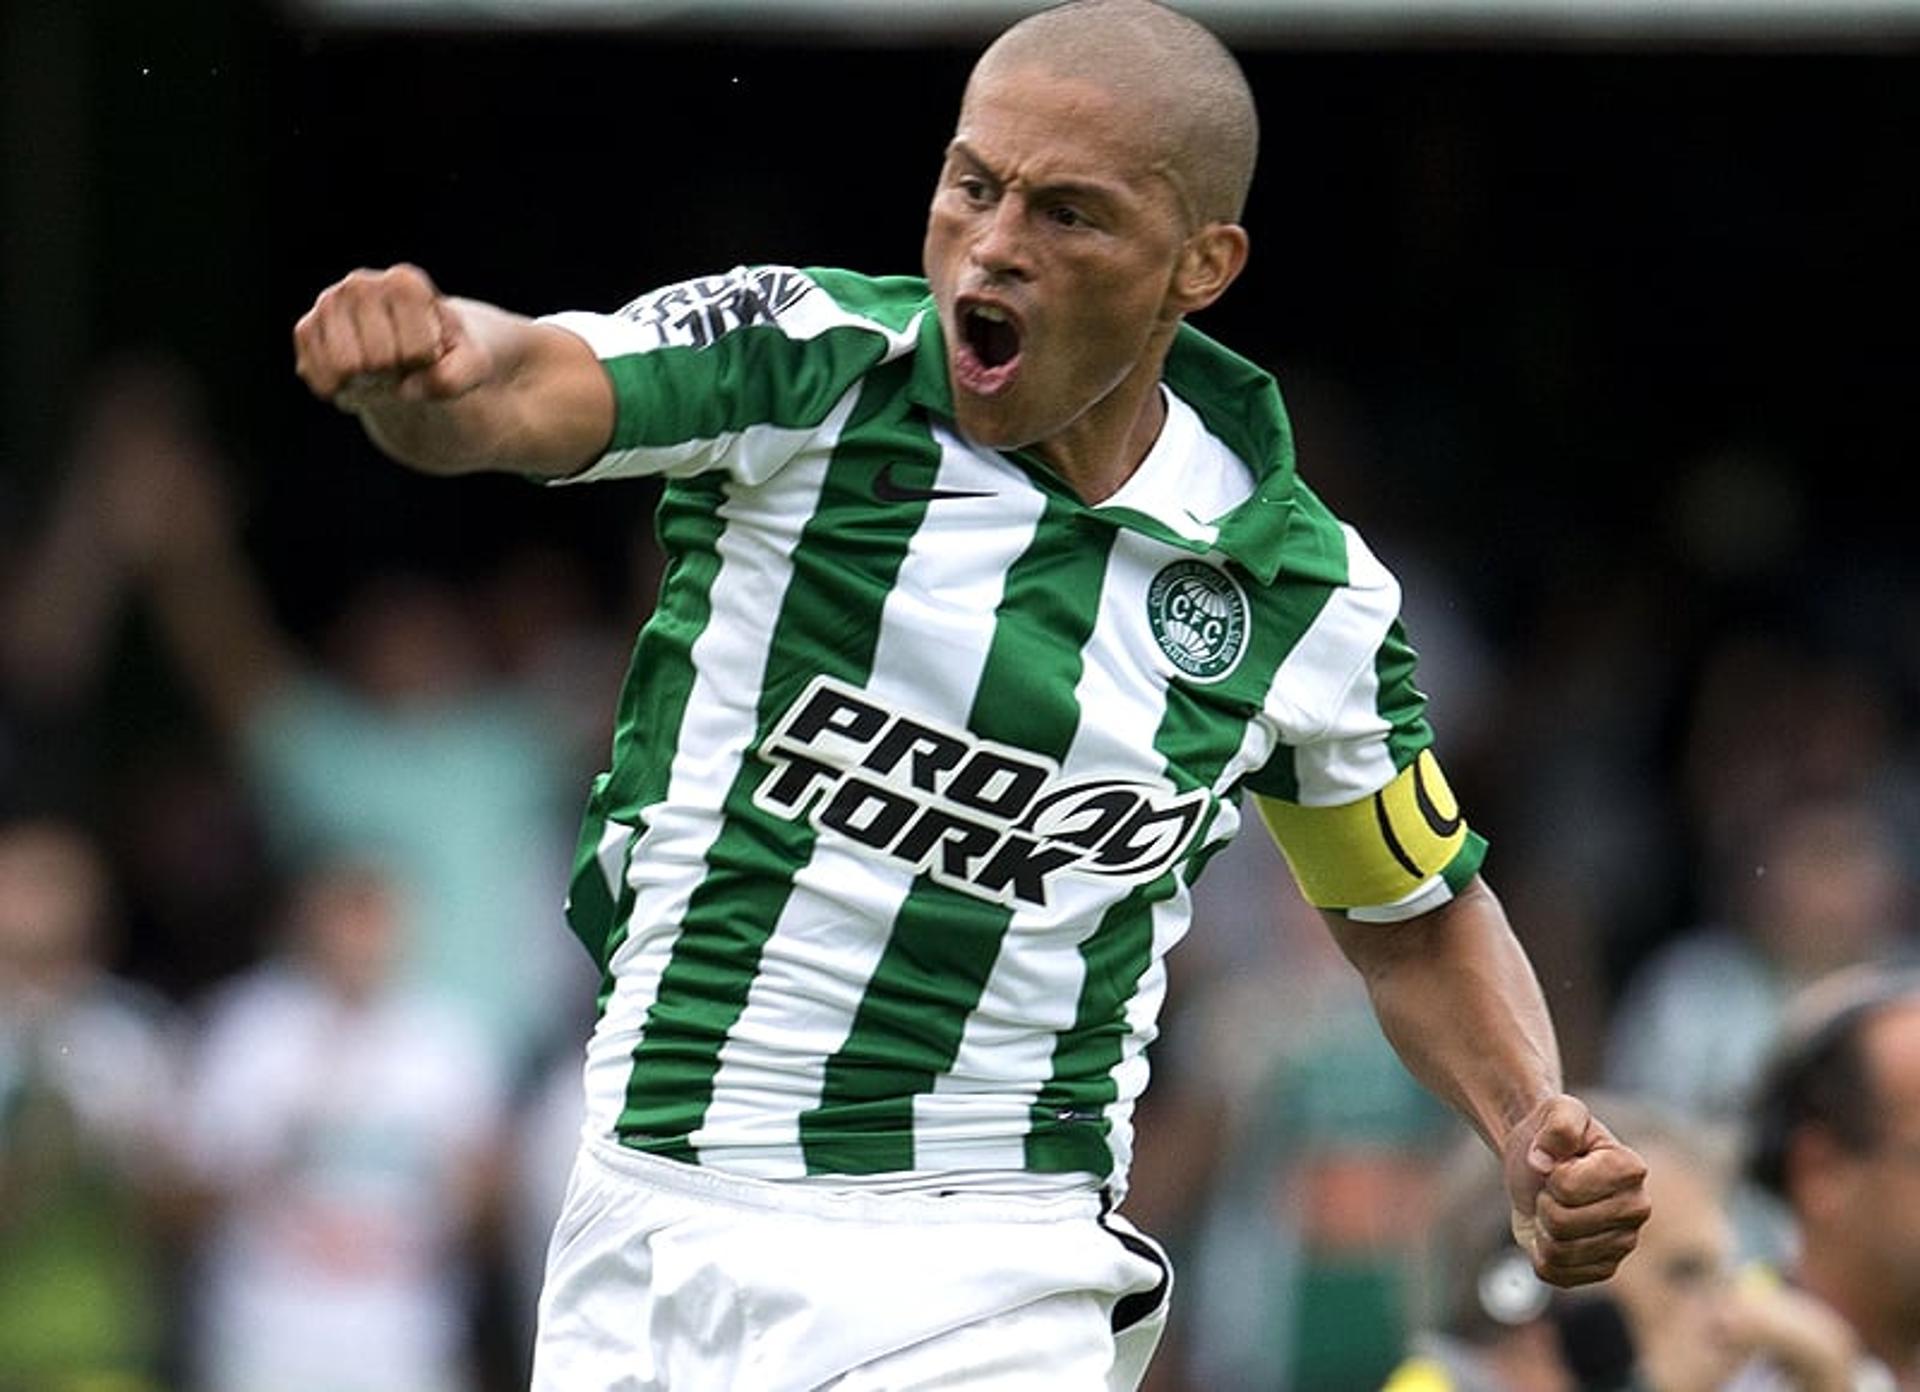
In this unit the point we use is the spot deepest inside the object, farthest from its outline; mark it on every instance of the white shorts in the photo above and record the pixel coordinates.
(662, 1275)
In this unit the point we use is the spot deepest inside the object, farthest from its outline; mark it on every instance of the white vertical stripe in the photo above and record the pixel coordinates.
(813, 973)
(668, 863)
(1033, 993)
(611, 856)
(937, 618)
(1170, 922)
(1324, 692)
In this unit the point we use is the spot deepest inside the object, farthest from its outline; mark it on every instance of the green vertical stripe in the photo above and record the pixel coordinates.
(1287, 609)
(944, 944)
(592, 912)
(1400, 703)
(660, 676)
(1070, 1130)
(653, 703)
(905, 1033)
(1070, 1127)
(847, 559)
(1201, 728)
(597, 914)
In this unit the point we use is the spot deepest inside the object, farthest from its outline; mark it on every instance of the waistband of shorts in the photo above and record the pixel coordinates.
(825, 1201)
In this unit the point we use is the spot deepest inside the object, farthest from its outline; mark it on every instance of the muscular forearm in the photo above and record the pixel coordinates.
(541, 411)
(1457, 997)
(1458, 1000)
(440, 437)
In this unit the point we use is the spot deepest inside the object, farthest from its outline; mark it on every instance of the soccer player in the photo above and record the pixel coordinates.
(1835, 1136)
(989, 595)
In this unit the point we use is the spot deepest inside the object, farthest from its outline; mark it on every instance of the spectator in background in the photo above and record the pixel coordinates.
(1693, 1320)
(546, 635)
(403, 748)
(1480, 1314)
(60, 601)
(1320, 1176)
(344, 1131)
(85, 732)
(1783, 717)
(1822, 888)
(87, 1086)
(1836, 1138)
(1677, 1318)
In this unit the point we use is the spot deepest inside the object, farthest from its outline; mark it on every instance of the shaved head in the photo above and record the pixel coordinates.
(1192, 97)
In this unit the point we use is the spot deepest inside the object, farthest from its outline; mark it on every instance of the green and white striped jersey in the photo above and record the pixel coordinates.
(920, 754)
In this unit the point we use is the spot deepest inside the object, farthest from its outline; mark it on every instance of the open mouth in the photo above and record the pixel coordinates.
(992, 336)
(990, 348)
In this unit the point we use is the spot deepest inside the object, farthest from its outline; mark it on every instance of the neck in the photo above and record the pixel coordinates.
(1098, 453)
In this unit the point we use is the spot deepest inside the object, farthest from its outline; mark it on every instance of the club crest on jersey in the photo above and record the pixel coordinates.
(983, 818)
(1199, 618)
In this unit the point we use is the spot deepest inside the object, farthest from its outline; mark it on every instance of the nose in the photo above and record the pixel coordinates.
(1000, 246)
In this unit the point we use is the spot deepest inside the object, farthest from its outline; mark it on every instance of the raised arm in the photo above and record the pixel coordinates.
(59, 599)
(453, 386)
(165, 512)
(1458, 1000)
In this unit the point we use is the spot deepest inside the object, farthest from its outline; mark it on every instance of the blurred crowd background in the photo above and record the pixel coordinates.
(1608, 347)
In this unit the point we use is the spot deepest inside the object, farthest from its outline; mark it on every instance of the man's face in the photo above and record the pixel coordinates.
(1673, 1287)
(1881, 1222)
(1051, 247)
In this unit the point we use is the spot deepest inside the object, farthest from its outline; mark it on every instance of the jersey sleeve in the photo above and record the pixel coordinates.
(1354, 794)
(731, 372)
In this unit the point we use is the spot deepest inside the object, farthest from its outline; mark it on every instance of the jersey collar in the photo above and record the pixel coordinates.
(1236, 400)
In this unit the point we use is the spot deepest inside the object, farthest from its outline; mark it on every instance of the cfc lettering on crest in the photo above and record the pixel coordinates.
(1199, 618)
(983, 818)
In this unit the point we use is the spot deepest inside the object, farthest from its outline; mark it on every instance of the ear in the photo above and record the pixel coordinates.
(1211, 260)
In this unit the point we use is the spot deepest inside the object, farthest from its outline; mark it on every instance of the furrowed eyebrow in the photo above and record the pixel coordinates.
(958, 152)
(1067, 190)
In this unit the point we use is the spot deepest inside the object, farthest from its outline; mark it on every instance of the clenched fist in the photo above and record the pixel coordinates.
(388, 335)
(1579, 1196)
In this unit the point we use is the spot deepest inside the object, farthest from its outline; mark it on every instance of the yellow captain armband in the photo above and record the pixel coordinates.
(1400, 852)
(1419, 1375)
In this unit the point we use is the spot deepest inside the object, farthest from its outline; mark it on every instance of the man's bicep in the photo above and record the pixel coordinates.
(1399, 852)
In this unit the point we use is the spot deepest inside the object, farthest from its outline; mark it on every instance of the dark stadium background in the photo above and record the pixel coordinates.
(1530, 291)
